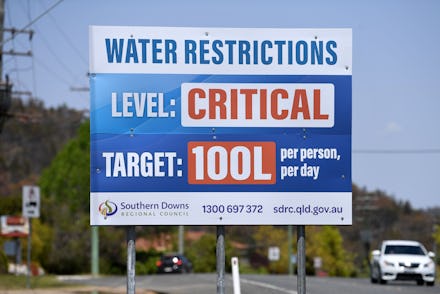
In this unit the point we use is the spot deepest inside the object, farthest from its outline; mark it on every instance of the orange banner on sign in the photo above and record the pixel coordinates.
(231, 163)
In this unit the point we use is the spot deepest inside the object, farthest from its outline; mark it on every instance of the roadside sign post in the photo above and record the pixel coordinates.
(289, 249)
(17, 254)
(30, 209)
(301, 258)
(235, 275)
(29, 250)
(220, 126)
(131, 260)
(94, 267)
(181, 246)
(220, 255)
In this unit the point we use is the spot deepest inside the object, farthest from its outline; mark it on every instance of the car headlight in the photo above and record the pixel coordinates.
(388, 263)
(429, 264)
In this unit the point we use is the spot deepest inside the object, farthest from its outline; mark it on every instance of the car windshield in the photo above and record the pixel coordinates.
(404, 249)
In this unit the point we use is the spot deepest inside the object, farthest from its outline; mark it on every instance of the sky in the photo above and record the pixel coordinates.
(396, 68)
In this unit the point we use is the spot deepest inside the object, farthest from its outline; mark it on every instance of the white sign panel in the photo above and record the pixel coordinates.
(220, 126)
(31, 201)
(273, 253)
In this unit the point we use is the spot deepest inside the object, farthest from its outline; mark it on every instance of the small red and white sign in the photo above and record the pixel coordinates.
(14, 226)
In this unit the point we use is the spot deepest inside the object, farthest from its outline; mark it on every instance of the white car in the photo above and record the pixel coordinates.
(402, 260)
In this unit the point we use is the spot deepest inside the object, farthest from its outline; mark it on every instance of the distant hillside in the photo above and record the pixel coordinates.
(378, 216)
(30, 138)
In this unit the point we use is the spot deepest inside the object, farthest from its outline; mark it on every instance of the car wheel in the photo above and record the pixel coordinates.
(420, 282)
(379, 273)
(373, 279)
(430, 283)
(373, 275)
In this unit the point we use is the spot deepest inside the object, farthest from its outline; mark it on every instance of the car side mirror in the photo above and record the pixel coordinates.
(431, 254)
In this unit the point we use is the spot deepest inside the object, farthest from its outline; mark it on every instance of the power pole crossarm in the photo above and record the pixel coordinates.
(12, 52)
(79, 89)
(14, 31)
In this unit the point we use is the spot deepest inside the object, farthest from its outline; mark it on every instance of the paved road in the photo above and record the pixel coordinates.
(261, 284)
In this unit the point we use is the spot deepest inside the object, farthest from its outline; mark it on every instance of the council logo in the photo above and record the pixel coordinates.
(107, 208)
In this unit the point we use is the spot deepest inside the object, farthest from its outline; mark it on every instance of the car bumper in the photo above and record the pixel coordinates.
(402, 274)
(170, 269)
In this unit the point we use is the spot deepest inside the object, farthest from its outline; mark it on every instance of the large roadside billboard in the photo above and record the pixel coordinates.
(220, 126)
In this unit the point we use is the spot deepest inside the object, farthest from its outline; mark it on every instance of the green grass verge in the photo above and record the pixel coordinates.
(9, 282)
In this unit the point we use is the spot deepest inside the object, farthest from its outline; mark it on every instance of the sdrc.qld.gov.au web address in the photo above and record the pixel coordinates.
(308, 209)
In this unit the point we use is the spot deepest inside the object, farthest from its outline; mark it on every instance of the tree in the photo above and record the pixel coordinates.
(30, 140)
(67, 179)
(65, 190)
(65, 207)
(271, 236)
(436, 236)
(326, 242)
(202, 253)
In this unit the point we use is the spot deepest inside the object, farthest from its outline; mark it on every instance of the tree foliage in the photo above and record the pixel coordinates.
(271, 236)
(436, 236)
(326, 243)
(30, 139)
(65, 206)
(202, 253)
(65, 189)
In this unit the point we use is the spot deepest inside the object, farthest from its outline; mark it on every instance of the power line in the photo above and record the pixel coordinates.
(56, 57)
(32, 22)
(396, 151)
(72, 44)
(52, 72)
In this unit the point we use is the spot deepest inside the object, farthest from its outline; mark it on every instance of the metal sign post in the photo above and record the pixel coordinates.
(289, 249)
(29, 246)
(95, 251)
(131, 260)
(17, 254)
(301, 246)
(220, 253)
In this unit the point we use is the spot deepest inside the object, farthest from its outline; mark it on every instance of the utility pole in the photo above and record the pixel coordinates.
(181, 239)
(94, 229)
(13, 32)
(2, 20)
(5, 87)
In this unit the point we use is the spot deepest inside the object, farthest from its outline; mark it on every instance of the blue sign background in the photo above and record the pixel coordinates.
(102, 86)
(110, 134)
